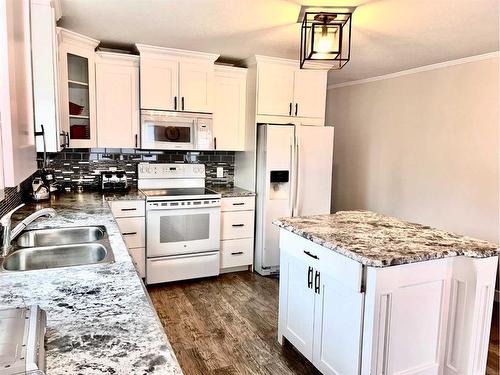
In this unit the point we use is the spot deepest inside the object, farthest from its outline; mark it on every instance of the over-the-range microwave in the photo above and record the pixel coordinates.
(164, 130)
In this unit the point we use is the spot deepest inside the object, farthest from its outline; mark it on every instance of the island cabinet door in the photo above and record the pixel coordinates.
(337, 326)
(297, 303)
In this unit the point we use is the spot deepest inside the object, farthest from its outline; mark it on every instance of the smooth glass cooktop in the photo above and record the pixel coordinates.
(178, 192)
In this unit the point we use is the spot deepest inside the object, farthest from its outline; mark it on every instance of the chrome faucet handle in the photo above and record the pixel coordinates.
(5, 220)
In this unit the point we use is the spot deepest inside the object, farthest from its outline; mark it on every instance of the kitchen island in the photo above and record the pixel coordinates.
(365, 293)
(99, 317)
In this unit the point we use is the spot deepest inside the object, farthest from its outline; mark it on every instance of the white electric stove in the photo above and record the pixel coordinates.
(182, 222)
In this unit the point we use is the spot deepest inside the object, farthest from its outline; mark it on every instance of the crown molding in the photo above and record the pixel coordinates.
(230, 70)
(68, 36)
(148, 49)
(123, 57)
(256, 59)
(420, 69)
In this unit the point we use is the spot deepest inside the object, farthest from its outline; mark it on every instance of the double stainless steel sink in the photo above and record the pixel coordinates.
(58, 247)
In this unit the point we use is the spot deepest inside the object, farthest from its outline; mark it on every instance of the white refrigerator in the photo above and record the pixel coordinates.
(294, 178)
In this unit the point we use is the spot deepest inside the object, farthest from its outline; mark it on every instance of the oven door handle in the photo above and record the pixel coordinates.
(179, 256)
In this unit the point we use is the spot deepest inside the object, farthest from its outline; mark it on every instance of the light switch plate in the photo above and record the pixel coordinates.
(220, 172)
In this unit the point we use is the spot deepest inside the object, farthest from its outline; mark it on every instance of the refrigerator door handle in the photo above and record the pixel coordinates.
(291, 179)
(297, 177)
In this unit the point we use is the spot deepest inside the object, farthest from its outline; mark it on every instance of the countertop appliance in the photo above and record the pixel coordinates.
(294, 178)
(40, 190)
(114, 180)
(22, 334)
(182, 222)
(164, 130)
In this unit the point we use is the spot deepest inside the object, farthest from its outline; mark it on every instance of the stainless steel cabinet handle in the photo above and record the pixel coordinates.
(182, 101)
(290, 109)
(237, 253)
(175, 103)
(136, 140)
(238, 204)
(128, 233)
(129, 209)
(310, 277)
(296, 108)
(215, 143)
(238, 225)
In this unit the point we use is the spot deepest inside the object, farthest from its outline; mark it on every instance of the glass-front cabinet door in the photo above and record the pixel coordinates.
(78, 117)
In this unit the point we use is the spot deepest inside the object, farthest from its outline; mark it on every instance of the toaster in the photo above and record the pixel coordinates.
(114, 180)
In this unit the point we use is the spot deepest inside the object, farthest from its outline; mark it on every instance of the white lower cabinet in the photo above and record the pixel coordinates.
(131, 221)
(319, 314)
(297, 303)
(139, 259)
(237, 252)
(237, 233)
(424, 318)
(338, 316)
(132, 230)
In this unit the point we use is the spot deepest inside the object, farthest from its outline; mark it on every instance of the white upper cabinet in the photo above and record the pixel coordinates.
(196, 86)
(285, 90)
(176, 80)
(16, 95)
(309, 93)
(45, 75)
(117, 97)
(275, 89)
(229, 108)
(77, 89)
(159, 83)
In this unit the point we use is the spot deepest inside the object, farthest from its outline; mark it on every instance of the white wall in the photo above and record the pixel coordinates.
(423, 147)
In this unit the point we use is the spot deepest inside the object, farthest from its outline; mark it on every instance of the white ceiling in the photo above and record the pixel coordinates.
(387, 35)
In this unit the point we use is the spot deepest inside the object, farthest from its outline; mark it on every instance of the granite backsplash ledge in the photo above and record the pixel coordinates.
(73, 167)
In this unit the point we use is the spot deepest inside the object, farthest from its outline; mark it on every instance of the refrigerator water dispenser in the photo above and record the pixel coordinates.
(280, 184)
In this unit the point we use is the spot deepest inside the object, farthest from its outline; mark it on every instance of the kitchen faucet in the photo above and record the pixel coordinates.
(10, 234)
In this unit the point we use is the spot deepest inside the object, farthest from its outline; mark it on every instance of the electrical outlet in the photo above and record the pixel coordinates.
(220, 172)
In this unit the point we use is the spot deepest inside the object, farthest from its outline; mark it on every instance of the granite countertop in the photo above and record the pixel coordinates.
(377, 240)
(232, 192)
(224, 191)
(132, 194)
(99, 317)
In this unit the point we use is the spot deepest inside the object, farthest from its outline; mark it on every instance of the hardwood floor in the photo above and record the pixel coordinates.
(227, 325)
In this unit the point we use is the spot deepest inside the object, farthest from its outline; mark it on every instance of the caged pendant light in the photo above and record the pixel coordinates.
(325, 40)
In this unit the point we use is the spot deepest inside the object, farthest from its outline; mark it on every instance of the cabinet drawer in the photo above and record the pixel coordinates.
(237, 204)
(127, 208)
(132, 230)
(238, 224)
(182, 267)
(139, 259)
(344, 270)
(235, 253)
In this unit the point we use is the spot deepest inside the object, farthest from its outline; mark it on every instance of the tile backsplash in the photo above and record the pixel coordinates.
(13, 197)
(73, 167)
